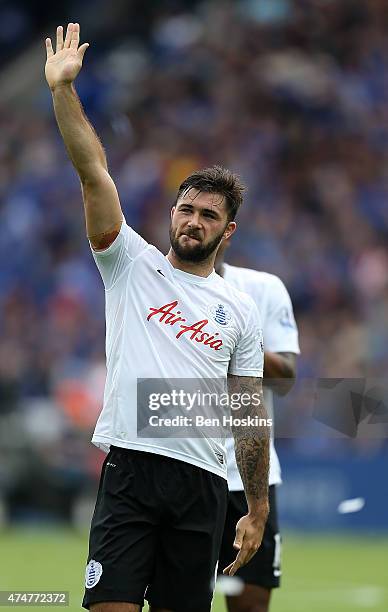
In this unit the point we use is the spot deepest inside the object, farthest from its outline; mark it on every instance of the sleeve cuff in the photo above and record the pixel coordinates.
(240, 372)
(111, 247)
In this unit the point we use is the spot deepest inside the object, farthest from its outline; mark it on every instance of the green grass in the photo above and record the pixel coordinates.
(321, 574)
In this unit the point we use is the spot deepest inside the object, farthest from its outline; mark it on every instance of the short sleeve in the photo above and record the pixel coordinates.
(113, 261)
(280, 330)
(248, 357)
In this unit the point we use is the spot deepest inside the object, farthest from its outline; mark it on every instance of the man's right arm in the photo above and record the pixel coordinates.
(102, 205)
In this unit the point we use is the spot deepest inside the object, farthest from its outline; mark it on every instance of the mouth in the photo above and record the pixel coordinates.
(190, 237)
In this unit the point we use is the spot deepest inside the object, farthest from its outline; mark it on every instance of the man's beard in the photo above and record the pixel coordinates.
(197, 253)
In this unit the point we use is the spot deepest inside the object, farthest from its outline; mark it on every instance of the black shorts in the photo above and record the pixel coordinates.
(155, 533)
(264, 568)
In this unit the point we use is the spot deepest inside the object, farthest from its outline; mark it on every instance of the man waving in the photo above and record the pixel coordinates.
(160, 509)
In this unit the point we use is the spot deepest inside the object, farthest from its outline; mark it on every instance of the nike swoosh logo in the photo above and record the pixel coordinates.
(160, 272)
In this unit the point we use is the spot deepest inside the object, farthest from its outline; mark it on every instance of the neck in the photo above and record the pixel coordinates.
(219, 267)
(219, 263)
(201, 268)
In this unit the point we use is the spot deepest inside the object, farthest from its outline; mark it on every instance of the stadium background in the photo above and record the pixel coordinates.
(294, 96)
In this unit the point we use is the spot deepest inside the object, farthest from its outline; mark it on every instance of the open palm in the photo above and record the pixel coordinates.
(63, 66)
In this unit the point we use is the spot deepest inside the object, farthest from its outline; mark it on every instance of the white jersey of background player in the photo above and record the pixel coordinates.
(280, 336)
(281, 346)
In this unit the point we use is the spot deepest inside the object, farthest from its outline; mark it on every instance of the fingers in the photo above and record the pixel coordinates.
(59, 46)
(71, 40)
(245, 554)
(227, 569)
(49, 48)
(233, 567)
(82, 49)
(69, 32)
(74, 40)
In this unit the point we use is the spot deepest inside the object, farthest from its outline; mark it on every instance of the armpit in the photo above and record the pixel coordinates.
(100, 242)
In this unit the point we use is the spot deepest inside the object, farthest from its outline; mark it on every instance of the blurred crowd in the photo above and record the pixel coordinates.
(291, 94)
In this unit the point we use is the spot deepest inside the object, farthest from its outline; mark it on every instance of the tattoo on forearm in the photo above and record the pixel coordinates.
(251, 443)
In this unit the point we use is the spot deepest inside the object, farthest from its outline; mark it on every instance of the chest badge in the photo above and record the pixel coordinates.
(220, 314)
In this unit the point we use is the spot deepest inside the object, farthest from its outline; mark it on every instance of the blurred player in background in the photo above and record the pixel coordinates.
(161, 504)
(281, 347)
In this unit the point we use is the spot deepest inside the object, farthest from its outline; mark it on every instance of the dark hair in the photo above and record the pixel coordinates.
(216, 180)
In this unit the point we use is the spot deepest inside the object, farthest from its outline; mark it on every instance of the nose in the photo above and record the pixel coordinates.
(194, 220)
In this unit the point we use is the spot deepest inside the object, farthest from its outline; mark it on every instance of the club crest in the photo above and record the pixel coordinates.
(93, 573)
(220, 314)
(287, 318)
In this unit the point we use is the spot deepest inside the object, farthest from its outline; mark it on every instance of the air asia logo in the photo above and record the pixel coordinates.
(220, 315)
(167, 315)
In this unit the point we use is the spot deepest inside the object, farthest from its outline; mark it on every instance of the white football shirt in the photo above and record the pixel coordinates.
(280, 335)
(164, 323)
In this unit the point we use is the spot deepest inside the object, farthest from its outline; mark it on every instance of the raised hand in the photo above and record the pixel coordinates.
(63, 66)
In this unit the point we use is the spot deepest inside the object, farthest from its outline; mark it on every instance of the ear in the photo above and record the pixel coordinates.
(229, 230)
(172, 211)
